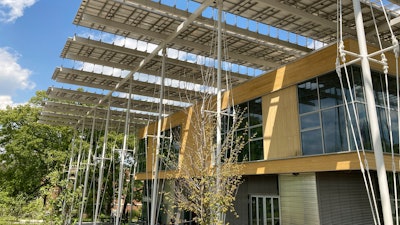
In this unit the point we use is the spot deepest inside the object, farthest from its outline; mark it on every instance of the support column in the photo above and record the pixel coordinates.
(71, 160)
(219, 103)
(123, 153)
(373, 117)
(85, 185)
(101, 172)
(154, 192)
(78, 166)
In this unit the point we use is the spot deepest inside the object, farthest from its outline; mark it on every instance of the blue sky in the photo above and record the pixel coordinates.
(32, 35)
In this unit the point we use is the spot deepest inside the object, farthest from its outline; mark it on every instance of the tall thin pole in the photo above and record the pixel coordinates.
(87, 169)
(101, 172)
(219, 100)
(123, 153)
(71, 160)
(373, 117)
(154, 193)
(78, 166)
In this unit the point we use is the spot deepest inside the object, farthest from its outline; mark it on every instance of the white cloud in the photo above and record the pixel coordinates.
(12, 76)
(10, 10)
(5, 100)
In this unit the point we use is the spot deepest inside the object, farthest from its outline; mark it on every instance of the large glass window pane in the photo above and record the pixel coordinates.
(169, 149)
(330, 92)
(310, 121)
(268, 210)
(357, 84)
(276, 212)
(311, 142)
(244, 109)
(364, 127)
(379, 88)
(395, 130)
(254, 211)
(385, 131)
(141, 156)
(256, 150)
(255, 112)
(334, 130)
(261, 210)
(308, 96)
(256, 132)
(392, 92)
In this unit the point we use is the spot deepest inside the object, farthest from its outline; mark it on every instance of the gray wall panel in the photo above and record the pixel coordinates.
(343, 199)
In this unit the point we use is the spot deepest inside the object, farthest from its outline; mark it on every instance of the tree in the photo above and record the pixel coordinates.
(206, 184)
(29, 150)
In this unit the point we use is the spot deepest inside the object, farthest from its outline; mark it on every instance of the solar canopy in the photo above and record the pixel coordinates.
(258, 36)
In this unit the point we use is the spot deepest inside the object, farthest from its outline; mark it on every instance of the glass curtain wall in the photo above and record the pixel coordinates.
(250, 128)
(170, 147)
(141, 155)
(325, 126)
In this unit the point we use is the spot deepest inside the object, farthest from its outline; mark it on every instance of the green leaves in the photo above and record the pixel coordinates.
(29, 150)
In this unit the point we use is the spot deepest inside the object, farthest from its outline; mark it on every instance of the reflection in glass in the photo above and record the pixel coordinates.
(334, 130)
(311, 142)
(322, 114)
(256, 150)
(141, 156)
(308, 96)
(308, 121)
(255, 112)
(330, 91)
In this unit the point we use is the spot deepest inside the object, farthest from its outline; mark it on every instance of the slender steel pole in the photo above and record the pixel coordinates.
(123, 153)
(78, 166)
(154, 193)
(373, 117)
(219, 102)
(101, 172)
(87, 169)
(71, 160)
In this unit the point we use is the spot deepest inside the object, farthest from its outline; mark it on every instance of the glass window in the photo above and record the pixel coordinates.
(334, 130)
(264, 210)
(141, 155)
(310, 120)
(325, 124)
(170, 147)
(364, 127)
(379, 89)
(255, 112)
(308, 96)
(384, 130)
(251, 129)
(357, 84)
(330, 90)
(256, 150)
(311, 142)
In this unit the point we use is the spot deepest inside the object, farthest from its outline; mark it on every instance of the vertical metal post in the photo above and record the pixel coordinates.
(373, 117)
(123, 153)
(71, 159)
(78, 165)
(101, 172)
(154, 193)
(219, 100)
(87, 169)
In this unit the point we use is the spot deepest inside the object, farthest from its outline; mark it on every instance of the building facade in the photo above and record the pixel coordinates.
(300, 164)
